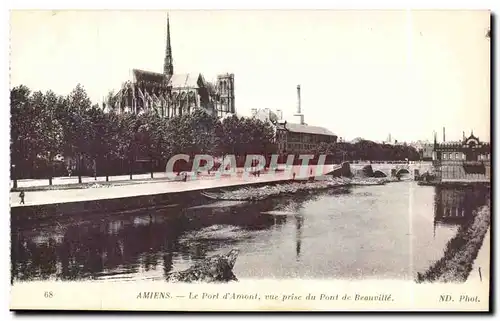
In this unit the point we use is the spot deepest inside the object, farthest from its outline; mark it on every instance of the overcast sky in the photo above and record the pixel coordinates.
(363, 73)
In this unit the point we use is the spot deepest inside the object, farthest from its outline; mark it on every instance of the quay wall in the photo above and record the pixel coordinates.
(20, 214)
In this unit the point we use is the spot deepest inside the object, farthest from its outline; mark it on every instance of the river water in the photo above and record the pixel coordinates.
(390, 231)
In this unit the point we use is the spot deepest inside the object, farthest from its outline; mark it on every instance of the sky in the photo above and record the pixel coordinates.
(362, 73)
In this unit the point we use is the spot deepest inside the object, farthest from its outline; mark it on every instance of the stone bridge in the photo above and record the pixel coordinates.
(387, 168)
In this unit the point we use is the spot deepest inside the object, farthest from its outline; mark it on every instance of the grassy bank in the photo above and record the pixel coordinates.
(460, 252)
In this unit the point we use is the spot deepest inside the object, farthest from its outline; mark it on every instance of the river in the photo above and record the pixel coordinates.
(391, 231)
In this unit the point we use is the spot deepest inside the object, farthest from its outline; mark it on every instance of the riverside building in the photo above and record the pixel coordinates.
(468, 159)
(300, 138)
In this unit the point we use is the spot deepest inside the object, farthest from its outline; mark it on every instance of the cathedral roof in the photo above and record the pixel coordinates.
(191, 80)
(149, 76)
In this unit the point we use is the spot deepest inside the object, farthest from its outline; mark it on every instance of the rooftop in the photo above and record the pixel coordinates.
(189, 80)
(149, 76)
(298, 128)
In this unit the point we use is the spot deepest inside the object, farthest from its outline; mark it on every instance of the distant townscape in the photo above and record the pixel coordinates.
(157, 115)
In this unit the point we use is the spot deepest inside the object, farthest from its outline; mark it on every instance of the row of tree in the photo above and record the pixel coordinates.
(52, 135)
(47, 128)
(368, 150)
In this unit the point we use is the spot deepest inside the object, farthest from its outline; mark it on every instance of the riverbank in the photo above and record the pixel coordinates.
(66, 183)
(141, 197)
(160, 187)
(456, 184)
(461, 252)
(250, 193)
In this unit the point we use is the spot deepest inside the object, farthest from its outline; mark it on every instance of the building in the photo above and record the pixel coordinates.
(300, 138)
(170, 94)
(466, 160)
(267, 115)
(424, 149)
(470, 149)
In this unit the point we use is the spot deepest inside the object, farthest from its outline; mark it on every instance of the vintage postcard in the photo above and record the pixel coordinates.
(305, 160)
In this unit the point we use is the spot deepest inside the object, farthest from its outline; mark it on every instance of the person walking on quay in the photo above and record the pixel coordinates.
(293, 175)
(21, 196)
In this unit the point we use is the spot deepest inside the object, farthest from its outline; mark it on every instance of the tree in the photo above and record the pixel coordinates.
(150, 137)
(22, 129)
(231, 128)
(76, 126)
(111, 100)
(51, 131)
(98, 135)
(205, 132)
(127, 139)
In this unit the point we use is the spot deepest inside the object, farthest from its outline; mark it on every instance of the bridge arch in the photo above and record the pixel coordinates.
(402, 171)
(379, 173)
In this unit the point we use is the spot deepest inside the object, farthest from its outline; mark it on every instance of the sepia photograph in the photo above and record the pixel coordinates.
(250, 160)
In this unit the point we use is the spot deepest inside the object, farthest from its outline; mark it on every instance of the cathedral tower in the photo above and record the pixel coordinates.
(225, 89)
(168, 66)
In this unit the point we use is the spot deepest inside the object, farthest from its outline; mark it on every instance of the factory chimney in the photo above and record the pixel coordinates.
(299, 111)
(298, 100)
(444, 135)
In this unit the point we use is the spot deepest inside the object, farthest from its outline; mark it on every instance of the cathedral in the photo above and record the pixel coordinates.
(170, 94)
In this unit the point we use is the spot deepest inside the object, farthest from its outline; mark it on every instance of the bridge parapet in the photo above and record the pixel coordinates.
(387, 168)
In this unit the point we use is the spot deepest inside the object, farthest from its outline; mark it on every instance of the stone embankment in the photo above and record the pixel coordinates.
(250, 193)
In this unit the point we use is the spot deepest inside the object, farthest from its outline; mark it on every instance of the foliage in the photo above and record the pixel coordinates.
(96, 141)
(45, 126)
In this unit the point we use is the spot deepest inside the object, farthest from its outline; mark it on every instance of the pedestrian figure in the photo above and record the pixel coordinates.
(21, 195)
(293, 175)
(185, 177)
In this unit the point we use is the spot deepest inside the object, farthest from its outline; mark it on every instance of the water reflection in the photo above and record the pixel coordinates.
(363, 233)
(299, 220)
(140, 243)
(455, 211)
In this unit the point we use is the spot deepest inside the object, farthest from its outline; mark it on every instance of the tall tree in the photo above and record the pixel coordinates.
(127, 141)
(51, 131)
(22, 129)
(150, 137)
(77, 127)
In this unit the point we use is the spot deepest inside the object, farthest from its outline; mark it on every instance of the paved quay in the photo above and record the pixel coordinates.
(67, 180)
(158, 187)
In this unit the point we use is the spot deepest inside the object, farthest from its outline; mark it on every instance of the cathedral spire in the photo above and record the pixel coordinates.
(168, 66)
